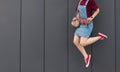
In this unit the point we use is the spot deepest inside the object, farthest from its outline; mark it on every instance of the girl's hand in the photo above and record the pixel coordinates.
(86, 21)
(89, 19)
(75, 18)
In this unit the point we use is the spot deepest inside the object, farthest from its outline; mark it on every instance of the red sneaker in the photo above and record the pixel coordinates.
(87, 60)
(102, 35)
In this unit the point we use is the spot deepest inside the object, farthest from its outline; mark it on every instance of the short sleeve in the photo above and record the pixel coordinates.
(94, 5)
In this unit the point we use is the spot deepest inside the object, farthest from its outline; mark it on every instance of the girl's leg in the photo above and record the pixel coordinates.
(80, 47)
(91, 40)
(79, 42)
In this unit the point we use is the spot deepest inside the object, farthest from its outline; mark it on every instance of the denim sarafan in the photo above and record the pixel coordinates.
(84, 30)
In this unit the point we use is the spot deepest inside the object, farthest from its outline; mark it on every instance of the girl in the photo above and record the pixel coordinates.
(85, 16)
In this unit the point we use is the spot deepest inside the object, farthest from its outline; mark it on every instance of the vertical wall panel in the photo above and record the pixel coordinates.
(32, 32)
(55, 35)
(76, 60)
(117, 35)
(9, 35)
(103, 52)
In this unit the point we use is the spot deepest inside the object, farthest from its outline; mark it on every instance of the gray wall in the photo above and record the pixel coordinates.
(36, 36)
(32, 35)
(103, 52)
(55, 35)
(9, 35)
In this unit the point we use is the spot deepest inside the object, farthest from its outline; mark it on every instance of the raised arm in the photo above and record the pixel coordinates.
(93, 15)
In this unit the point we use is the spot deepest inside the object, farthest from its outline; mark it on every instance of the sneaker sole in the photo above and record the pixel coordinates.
(88, 62)
(103, 35)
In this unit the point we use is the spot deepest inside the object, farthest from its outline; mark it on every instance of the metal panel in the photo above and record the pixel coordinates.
(55, 35)
(117, 9)
(9, 35)
(32, 32)
(76, 60)
(103, 52)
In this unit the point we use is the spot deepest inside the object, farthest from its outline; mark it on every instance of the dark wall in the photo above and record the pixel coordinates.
(37, 36)
(32, 35)
(117, 33)
(9, 35)
(55, 35)
(103, 52)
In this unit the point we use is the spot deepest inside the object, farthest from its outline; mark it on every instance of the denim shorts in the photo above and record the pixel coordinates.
(84, 30)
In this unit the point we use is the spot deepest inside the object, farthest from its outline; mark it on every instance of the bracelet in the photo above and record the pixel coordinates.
(92, 17)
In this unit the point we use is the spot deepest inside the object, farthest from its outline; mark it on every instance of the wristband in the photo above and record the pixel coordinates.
(92, 17)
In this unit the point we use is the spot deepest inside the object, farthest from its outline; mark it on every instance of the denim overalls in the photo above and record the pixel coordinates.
(83, 30)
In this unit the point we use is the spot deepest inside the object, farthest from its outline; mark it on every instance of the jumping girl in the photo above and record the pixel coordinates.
(86, 11)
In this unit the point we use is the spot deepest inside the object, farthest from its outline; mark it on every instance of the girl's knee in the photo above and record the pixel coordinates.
(83, 44)
(83, 41)
(75, 42)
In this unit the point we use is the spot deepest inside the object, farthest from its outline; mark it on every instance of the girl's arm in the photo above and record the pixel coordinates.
(77, 14)
(94, 15)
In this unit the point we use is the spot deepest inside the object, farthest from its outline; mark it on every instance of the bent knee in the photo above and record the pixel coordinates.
(83, 43)
(75, 42)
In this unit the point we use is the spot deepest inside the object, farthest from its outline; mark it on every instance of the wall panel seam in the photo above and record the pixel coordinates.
(20, 34)
(44, 39)
(115, 30)
(67, 35)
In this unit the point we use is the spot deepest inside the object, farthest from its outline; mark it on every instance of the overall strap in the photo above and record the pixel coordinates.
(86, 2)
(79, 4)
